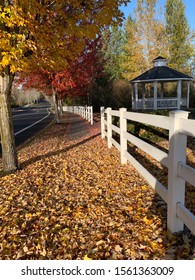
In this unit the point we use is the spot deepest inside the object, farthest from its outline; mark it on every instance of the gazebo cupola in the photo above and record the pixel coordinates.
(160, 61)
(157, 77)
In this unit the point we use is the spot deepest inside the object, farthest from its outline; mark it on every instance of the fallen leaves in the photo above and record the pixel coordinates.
(74, 200)
(86, 258)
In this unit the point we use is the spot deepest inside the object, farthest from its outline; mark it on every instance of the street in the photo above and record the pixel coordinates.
(30, 120)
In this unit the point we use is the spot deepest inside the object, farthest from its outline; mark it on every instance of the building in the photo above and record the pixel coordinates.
(149, 89)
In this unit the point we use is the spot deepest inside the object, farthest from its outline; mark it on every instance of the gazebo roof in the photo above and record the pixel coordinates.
(161, 73)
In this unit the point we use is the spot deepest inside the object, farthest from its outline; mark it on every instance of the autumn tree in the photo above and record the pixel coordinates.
(43, 34)
(83, 71)
(75, 80)
(150, 29)
(43, 81)
(179, 36)
(133, 59)
(111, 88)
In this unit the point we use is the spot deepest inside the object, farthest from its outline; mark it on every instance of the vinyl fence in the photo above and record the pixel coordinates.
(84, 111)
(179, 127)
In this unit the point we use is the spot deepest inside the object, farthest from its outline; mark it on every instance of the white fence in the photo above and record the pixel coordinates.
(84, 111)
(179, 172)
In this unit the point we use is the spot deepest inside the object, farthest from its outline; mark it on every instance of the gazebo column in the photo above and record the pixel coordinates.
(178, 94)
(136, 95)
(188, 95)
(133, 98)
(155, 95)
(143, 95)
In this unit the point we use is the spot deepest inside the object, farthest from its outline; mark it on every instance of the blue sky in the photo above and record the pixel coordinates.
(189, 10)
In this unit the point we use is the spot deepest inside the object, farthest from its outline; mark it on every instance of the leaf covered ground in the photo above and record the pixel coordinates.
(72, 199)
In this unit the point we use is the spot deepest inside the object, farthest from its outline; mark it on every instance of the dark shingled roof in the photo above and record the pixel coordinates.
(159, 57)
(161, 73)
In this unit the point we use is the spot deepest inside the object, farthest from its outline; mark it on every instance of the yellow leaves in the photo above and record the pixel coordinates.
(10, 198)
(130, 208)
(154, 245)
(144, 188)
(7, 10)
(56, 227)
(64, 172)
(4, 12)
(5, 60)
(13, 44)
(86, 258)
(28, 216)
(11, 17)
(147, 221)
(2, 15)
(13, 54)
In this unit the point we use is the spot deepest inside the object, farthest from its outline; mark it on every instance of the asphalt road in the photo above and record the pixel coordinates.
(28, 121)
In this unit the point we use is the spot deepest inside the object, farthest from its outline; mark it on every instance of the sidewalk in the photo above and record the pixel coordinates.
(78, 128)
(73, 199)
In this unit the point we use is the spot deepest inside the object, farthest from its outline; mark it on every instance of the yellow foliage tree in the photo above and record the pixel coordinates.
(45, 35)
(133, 62)
(150, 30)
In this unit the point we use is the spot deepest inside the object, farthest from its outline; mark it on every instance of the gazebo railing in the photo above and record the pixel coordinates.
(167, 103)
(162, 103)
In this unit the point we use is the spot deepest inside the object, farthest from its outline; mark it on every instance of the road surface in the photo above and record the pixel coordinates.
(28, 121)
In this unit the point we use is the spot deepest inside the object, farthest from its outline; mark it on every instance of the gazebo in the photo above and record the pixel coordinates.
(157, 77)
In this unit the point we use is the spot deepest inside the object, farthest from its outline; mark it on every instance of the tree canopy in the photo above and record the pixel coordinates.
(44, 35)
(179, 36)
(39, 32)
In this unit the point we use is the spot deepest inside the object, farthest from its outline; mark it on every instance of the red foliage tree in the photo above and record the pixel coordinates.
(76, 80)
(81, 73)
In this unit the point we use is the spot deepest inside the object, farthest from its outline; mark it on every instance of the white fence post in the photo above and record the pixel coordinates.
(86, 112)
(102, 110)
(91, 115)
(176, 185)
(123, 141)
(109, 123)
(82, 112)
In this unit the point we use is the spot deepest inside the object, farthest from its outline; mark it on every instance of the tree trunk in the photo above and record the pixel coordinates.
(9, 154)
(61, 107)
(55, 103)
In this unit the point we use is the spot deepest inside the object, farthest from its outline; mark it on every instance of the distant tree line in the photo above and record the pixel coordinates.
(21, 97)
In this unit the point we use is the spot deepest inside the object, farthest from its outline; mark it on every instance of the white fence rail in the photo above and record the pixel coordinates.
(179, 172)
(84, 111)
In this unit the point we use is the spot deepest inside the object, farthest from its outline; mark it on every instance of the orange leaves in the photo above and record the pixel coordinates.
(73, 200)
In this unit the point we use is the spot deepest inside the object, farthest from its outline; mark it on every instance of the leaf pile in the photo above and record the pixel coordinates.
(72, 199)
